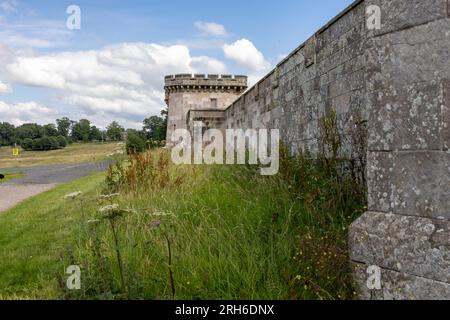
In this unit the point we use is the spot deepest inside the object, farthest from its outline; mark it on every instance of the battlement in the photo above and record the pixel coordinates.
(202, 81)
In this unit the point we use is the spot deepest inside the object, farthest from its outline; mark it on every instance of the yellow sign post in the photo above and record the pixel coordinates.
(15, 152)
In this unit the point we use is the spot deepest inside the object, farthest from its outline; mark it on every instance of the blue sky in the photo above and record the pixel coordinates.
(113, 67)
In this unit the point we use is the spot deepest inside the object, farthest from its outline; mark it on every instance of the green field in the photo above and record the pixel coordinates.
(75, 153)
(232, 233)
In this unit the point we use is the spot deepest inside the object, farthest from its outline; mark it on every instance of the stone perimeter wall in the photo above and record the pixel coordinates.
(325, 73)
(398, 79)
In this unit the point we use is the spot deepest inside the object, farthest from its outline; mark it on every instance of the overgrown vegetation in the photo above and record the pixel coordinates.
(222, 232)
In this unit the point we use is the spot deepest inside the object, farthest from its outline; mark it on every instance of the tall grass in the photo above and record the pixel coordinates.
(225, 232)
(219, 232)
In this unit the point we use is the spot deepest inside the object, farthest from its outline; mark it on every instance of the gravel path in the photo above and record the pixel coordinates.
(10, 195)
(41, 179)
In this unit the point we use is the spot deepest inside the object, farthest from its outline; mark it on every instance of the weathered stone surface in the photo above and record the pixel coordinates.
(406, 244)
(380, 169)
(421, 184)
(403, 79)
(381, 122)
(416, 114)
(400, 286)
(401, 14)
(445, 115)
(410, 56)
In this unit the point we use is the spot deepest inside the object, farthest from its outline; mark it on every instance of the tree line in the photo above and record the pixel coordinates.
(32, 136)
(152, 135)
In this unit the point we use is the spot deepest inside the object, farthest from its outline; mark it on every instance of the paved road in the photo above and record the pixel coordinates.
(40, 179)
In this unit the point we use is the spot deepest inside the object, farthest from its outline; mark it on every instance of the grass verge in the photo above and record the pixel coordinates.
(35, 237)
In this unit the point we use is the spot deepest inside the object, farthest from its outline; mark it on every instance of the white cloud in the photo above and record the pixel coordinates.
(211, 29)
(4, 88)
(9, 6)
(204, 63)
(34, 33)
(20, 113)
(122, 82)
(246, 55)
(282, 56)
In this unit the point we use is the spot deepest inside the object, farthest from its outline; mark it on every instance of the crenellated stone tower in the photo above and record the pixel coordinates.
(200, 97)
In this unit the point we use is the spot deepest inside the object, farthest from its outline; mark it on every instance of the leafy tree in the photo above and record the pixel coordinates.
(29, 130)
(62, 141)
(64, 126)
(135, 143)
(155, 128)
(95, 134)
(81, 130)
(49, 130)
(54, 144)
(115, 131)
(27, 144)
(7, 136)
(37, 144)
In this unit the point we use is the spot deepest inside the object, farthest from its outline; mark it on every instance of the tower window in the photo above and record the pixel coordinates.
(214, 103)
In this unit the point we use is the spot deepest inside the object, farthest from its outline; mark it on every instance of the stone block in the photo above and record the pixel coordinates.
(421, 184)
(406, 244)
(416, 116)
(399, 286)
(418, 54)
(341, 104)
(358, 103)
(402, 76)
(380, 168)
(380, 124)
(402, 14)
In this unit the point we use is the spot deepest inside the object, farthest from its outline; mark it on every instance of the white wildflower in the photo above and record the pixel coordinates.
(109, 196)
(161, 214)
(109, 208)
(72, 195)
